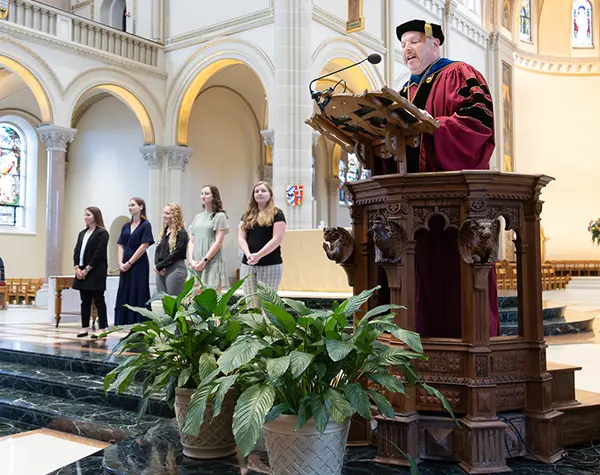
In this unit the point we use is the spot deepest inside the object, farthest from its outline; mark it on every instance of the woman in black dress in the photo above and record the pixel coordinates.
(91, 267)
(134, 280)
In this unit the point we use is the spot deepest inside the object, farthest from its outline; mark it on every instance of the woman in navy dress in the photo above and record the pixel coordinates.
(134, 281)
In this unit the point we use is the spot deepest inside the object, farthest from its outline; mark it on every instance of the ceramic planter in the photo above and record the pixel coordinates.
(305, 452)
(216, 437)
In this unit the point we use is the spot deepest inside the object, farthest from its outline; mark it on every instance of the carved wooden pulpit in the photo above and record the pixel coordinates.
(493, 384)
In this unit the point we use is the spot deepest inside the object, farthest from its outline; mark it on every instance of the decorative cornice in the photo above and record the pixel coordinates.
(432, 7)
(556, 65)
(178, 156)
(337, 24)
(153, 155)
(268, 136)
(56, 138)
(24, 33)
(230, 27)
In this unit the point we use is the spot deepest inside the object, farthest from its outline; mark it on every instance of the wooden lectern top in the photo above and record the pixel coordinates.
(373, 124)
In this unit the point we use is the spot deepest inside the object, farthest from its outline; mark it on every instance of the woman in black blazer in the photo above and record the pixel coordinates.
(91, 266)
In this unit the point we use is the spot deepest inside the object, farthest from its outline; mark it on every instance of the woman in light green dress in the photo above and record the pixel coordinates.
(207, 233)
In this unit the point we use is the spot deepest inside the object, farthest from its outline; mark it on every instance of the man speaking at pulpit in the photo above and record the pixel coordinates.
(455, 94)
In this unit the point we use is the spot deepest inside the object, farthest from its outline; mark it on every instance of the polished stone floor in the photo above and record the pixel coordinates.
(50, 378)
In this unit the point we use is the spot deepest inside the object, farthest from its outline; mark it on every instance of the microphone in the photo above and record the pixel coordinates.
(373, 58)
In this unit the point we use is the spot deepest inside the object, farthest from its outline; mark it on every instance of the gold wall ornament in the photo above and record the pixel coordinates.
(356, 21)
(3, 9)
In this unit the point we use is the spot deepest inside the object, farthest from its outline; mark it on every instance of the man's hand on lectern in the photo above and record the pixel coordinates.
(426, 114)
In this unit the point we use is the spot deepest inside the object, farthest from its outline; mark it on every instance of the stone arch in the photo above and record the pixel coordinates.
(346, 51)
(200, 67)
(124, 88)
(36, 74)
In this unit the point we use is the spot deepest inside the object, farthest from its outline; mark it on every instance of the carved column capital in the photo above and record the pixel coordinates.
(178, 156)
(494, 38)
(153, 155)
(55, 137)
(450, 8)
(268, 136)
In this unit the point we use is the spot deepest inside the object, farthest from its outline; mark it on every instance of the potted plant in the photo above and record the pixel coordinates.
(175, 352)
(304, 376)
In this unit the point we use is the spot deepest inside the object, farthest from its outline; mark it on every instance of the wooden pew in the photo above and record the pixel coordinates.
(22, 290)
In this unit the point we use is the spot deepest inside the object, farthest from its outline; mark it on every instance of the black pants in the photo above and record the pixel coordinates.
(97, 296)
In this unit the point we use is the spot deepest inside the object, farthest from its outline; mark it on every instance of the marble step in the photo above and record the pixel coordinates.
(82, 387)
(58, 358)
(8, 427)
(76, 417)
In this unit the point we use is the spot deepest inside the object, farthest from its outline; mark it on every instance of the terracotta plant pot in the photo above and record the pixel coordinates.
(305, 452)
(216, 437)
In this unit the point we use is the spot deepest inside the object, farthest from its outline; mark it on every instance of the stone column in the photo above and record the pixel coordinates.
(177, 158)
(154, 157)
(265, 170)
(56, 139)
(333, 200)
(449, 11)
(292, 160)
(391, 42)
(158, 14)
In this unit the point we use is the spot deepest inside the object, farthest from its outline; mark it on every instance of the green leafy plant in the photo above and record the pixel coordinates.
(293, 360)
(179, 348)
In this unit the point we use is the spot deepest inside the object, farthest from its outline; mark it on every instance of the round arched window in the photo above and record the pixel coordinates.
(12, 180)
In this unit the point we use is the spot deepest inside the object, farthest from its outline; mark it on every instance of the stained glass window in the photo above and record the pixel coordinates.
(525, 20)
(350, 170)
(582, 24)
(11, 176)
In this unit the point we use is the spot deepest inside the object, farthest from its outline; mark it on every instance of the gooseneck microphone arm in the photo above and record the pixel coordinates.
(373, 58)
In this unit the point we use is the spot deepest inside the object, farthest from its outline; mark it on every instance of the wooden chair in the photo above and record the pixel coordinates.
(3, 296)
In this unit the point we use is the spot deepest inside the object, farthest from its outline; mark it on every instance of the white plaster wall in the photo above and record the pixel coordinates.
(143, 19)
(338, 8)
(105, 169)
(372, 13)
(406, 10)
(460, 48)
(320, 33)
(24, 255)
(62, 4)
(227, 147)
(374, 22)
(190, 15)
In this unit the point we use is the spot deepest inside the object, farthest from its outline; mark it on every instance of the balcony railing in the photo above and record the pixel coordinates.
(69, 27)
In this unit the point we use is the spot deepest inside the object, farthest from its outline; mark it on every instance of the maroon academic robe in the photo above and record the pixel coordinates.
(457, 95)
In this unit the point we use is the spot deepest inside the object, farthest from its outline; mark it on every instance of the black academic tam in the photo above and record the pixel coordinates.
(419, 25)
